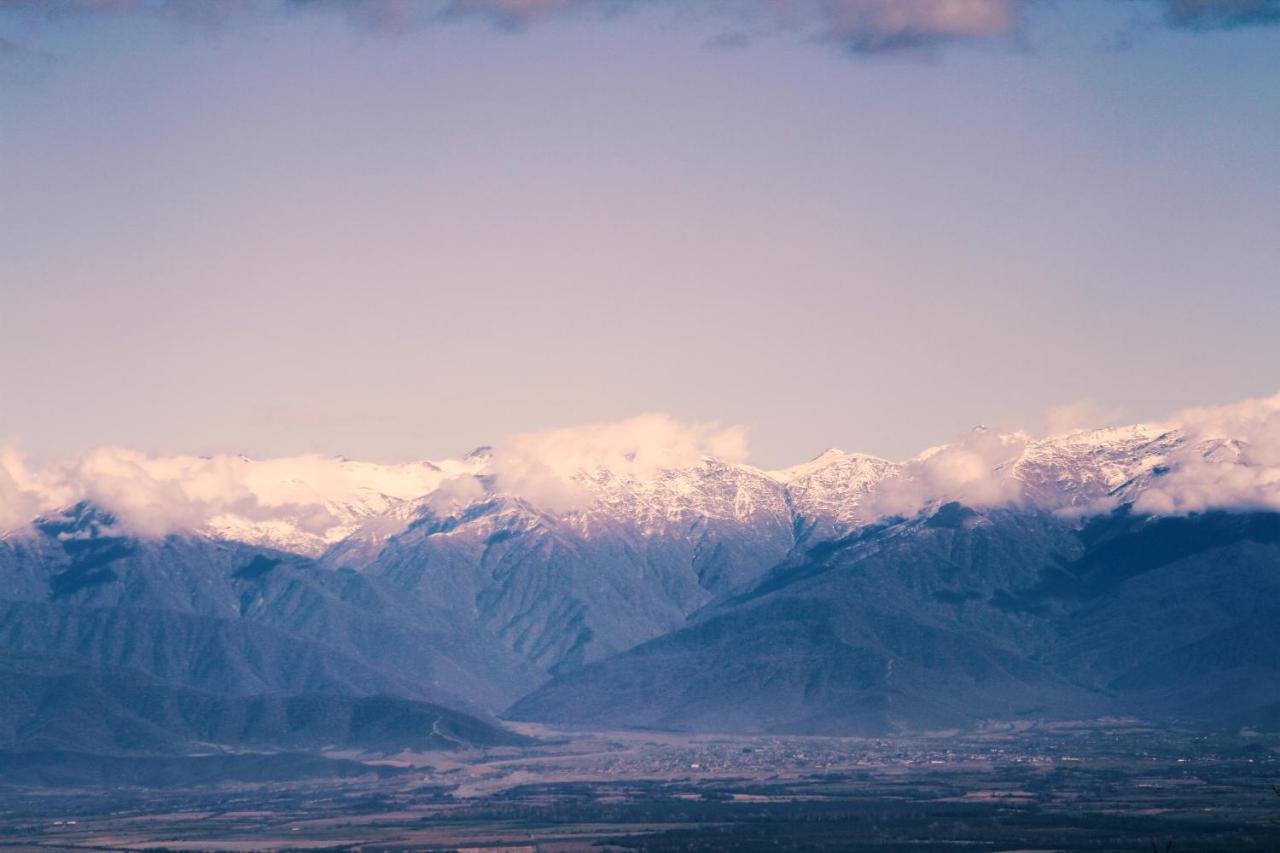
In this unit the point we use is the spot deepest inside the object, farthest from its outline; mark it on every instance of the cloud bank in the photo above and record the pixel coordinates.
(549, 468)
(155, 495)
(1209, 458)
(1222, 457)
(1229, 460)
(326, 497)
(974, 471)
(855, 26)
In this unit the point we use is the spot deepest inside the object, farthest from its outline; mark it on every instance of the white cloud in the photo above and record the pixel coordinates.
(455, 493)
(324, 496)
(1230, 460)
(22, 494)
(973, 471)
(545, 467)
(1085, 413)
(155, 495)
(1227, 457)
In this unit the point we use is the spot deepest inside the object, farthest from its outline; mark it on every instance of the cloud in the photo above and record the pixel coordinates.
(517, 13)
(1220, 14)
(400, 16)
(863, 26)
(455, 493)
(1230, 459)
(188, 11)
(23, 494)
(860, 26)
(874, 26)
(547, 468)
(974, 471)
(1222, 457)
(156, 495)
(855, 26)
(1085, 413)
(324, 497)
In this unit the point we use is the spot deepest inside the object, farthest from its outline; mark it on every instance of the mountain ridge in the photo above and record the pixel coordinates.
(991, 577)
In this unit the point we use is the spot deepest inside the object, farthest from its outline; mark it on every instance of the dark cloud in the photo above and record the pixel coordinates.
(855, 26)
(860, 26)
(195, 11)
(1221, 14)
(877, 26)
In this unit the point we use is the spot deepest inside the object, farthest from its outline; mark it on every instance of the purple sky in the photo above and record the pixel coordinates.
(397, 236)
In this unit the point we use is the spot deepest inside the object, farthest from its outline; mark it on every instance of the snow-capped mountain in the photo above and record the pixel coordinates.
(597, 560)
(302, 504)
(831, 490)
(836, 492)
(1082, 469)
(312, 505)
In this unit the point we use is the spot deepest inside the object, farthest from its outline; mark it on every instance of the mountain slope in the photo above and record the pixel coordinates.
(53, 703)
(236, 619)
(957, 617)
(658, 585)
(564, 588)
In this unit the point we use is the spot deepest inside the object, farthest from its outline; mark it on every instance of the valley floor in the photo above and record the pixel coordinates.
(1100, 785)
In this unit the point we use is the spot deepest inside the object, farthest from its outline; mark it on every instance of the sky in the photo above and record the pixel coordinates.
(399, 230)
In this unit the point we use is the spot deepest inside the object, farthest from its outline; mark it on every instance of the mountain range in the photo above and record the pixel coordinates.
(160, 606)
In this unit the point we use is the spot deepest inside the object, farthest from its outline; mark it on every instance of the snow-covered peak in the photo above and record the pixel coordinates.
(834, 486)
(827, 459)
(658, 475)
(712, 490)
(1106, 439)
(304, 507)
(300, 503)
(1086, 467)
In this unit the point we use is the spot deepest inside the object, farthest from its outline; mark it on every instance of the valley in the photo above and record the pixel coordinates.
(1085, 785)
